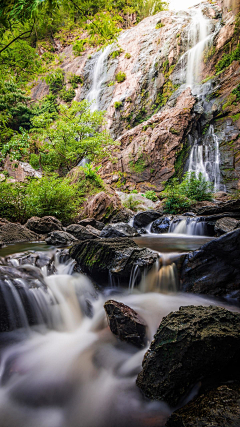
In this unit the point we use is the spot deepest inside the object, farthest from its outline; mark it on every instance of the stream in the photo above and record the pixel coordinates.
(69, 369)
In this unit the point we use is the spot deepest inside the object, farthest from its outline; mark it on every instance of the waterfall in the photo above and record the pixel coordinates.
(205, 158)
(98, 78)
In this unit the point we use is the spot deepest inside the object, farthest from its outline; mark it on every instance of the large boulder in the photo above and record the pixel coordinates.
(124, 215)
(142, 219)
(119, 230)
(11, 233)
(102, 206)
(60, 238)
(115, 258)
(80, 232)
(231, 206)
(43, 225)
(192, 344)
(219, 407)
(214, 269)
(126, 323)
(225, 225)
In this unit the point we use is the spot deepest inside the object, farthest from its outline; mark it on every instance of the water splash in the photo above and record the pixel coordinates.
(163, 276)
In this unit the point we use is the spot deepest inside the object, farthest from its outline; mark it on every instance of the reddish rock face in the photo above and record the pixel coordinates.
(148, 152)
(102, 206)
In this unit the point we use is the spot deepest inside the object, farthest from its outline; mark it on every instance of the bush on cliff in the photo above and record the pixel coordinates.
(180, 196)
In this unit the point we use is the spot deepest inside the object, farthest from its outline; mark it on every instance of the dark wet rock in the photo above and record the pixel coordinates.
(215, 268)
(125, 323)
(102, 258)
(44, 225)
(191, 344)
(142, 219)
(60, 238)
(119, 230)
(161, 225)
(217, 208)
(93, 222)
(80, 232)
(225, 225)
(11, 232)
(123, 215)
(219, 407)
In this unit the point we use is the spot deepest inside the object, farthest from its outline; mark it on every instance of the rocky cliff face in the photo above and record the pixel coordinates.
(159, 122)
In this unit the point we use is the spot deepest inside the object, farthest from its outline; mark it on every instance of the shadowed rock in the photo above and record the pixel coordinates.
(191, 344)
(44, 225)
(10, 233)
(116, 257)
(119, 230)
(142, 219)
(92, 222)
(125, 323)
(60, 238)
(225, 225)
(214, 269)
(219, 407)
(80, 232)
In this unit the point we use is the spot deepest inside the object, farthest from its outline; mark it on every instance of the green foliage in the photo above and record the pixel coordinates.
(134, 192)
(131, 203)
(92, 173)
(139, 165)
(116, 53)
(55, 80)
(117, 105)
(227, 59)
(127, 55)
(17, 147)
(120, 77)
(79, 46)
(75, 80)
(67, 95)
(151, 195)
(236, 92)
(159, 25)
(180, 196)
(111, 83)
(49, 195)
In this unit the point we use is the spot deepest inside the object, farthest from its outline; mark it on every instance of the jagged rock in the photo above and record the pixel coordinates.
(192, 344)
(116, 257)
(210, 208)
(43, 225)
(126, 323)
(225, 225)
(102, 206)
(161, 225)
(92, 222)
(11, 232)
(142, 219)
(80, 232)
(214, 269)
(123, 216)
(218, 407)
(93, 230)
(20, 170)
(119, 230)
(60, 238)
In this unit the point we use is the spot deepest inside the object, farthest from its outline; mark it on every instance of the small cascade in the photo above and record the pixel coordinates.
(98, 77)
(189, 226)
(163, 277)
(205, 158)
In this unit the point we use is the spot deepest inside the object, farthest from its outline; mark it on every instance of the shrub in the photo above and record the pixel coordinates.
(236, 92)
(120, 77)
(55, 80)
(151, 195)
(116, 53)
(127, 55)
(117, 105)
(79, 46)
(159, 25)
(131, 203)
(92, 173)
(227, 59)
(111, 83)
(67, 95)
(75, 80)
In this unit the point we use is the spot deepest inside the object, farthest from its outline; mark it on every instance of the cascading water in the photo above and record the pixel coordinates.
(98, 77)
(205, 158)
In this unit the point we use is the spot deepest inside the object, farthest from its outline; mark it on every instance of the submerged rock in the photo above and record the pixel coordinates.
(218, 407)
(191, 344)
(119, 230)
(80, 232)
(102, 258)
(225, 225)
(43, 225)
(11, 233)
(125, 323)
(142, 219)
(60, 238)
(214, 269)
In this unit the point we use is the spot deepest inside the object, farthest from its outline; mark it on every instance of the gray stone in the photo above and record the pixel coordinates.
(60, 238)
(119, 230)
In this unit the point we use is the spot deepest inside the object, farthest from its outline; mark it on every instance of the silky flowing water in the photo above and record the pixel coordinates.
(70, 370)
